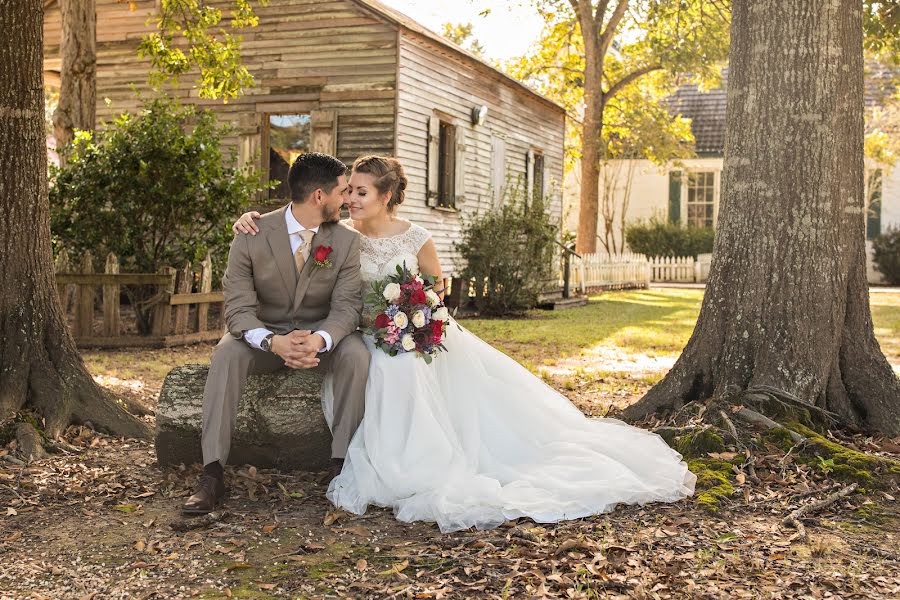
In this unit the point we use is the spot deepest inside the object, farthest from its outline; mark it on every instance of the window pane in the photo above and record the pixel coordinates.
(288, 139)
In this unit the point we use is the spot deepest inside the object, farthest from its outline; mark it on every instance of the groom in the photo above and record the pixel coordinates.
(292, 299)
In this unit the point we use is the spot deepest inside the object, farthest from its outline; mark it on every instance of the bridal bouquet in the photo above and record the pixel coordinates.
(409, 315)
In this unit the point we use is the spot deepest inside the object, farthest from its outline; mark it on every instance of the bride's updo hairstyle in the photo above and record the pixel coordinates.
(389, 176)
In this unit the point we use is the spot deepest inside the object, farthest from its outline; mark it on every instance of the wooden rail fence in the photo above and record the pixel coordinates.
(172, 323)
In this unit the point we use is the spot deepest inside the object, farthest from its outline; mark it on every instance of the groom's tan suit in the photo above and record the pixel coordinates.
(264, 290)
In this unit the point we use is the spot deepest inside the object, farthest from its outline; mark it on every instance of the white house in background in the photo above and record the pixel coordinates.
(690, 192)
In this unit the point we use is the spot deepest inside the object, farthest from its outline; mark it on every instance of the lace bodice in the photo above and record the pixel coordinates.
(380, 256)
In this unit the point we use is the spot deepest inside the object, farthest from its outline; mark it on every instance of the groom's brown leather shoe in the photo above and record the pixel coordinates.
(210, 489)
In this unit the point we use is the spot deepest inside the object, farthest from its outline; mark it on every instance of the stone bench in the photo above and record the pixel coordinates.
(279, 422)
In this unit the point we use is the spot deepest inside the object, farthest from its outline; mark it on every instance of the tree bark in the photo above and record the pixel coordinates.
(787, 303)
(592, 129)
(40, 368)
(78, 78)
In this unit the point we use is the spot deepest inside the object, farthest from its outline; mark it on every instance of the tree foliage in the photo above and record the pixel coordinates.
(155, 188)
(461, 35)
(593, 53)
(508, 251)
(193, 35)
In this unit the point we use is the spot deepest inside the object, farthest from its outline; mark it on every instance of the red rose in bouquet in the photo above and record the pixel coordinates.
(382, 321)
(437, 329)
(418, 297)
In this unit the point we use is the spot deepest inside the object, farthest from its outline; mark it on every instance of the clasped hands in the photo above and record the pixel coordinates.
(299, 348)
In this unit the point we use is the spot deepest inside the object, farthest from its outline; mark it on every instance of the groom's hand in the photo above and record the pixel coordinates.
(294, 348)
(307, 340)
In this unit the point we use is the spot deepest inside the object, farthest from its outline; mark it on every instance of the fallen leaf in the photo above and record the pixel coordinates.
(269, 528)
(362, 565)
(396, 569)
(11, 512)
(333, 516)
(267, 586)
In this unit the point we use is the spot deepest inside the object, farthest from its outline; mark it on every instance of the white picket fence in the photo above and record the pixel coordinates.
(624, 271)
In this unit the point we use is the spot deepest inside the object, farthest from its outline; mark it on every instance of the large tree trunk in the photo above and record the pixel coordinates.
(787, 303)
(78, 77)
(592, 129)
(40, 369)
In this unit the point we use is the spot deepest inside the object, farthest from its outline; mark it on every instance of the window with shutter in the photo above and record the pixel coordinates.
(287, 137)
(434, 152)
(324, 131)
(701, 198)
(538, 187)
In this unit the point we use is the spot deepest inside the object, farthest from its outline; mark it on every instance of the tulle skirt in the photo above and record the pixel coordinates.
(474, 439)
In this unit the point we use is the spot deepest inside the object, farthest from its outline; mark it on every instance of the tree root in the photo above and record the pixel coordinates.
(751, 416)
(793, 519)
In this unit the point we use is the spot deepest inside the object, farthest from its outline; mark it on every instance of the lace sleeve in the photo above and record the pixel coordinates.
(416, 237)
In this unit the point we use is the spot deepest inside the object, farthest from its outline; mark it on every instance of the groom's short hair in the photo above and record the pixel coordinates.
(311, 171)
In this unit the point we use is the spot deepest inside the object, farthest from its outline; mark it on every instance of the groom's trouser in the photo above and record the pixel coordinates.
(233, 360)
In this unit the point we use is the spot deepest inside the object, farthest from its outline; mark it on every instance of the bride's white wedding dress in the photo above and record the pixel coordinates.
(474, 439)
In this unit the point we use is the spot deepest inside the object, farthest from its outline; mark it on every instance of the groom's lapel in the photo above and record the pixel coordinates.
(280, 244)
(322, 238)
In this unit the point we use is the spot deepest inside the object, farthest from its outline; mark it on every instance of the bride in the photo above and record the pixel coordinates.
(474, 439)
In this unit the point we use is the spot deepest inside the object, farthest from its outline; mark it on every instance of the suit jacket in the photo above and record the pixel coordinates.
(263, 289)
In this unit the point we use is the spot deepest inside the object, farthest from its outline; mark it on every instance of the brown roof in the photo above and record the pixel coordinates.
(707, 109)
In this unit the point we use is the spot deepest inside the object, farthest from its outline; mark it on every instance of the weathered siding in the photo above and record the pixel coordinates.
(305, 55)
(436, 78)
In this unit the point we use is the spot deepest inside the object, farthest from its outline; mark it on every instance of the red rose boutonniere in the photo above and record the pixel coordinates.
(320, 255)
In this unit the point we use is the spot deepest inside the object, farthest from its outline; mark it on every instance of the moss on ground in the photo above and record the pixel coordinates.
(845, 464)
(713, 482)
(700, 443)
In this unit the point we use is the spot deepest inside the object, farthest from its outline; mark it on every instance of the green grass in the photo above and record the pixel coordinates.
(652, 322)
(657, 322)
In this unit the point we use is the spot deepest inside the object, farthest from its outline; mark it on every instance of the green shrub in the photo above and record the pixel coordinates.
(887, 255)
(510, 252)
(155, 188)
(663, 238)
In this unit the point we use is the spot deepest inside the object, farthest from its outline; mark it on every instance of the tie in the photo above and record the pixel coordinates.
(302, 252)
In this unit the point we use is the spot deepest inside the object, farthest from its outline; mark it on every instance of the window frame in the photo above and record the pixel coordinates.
(686, 190)
(446, 193)
(265, 138)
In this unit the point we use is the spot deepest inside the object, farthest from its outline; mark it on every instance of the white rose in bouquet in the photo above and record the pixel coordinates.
(418, 319)
(409, 344)
(391, 292)
(441, 314)
(410, 260)
(433, 299)
(401, 320)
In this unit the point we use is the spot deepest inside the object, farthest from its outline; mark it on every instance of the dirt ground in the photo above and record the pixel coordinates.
(102, 520)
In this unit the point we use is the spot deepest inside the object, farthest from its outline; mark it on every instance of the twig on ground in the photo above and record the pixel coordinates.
(793, 519)
(806, 494)
(751, 469)
(199, 522)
